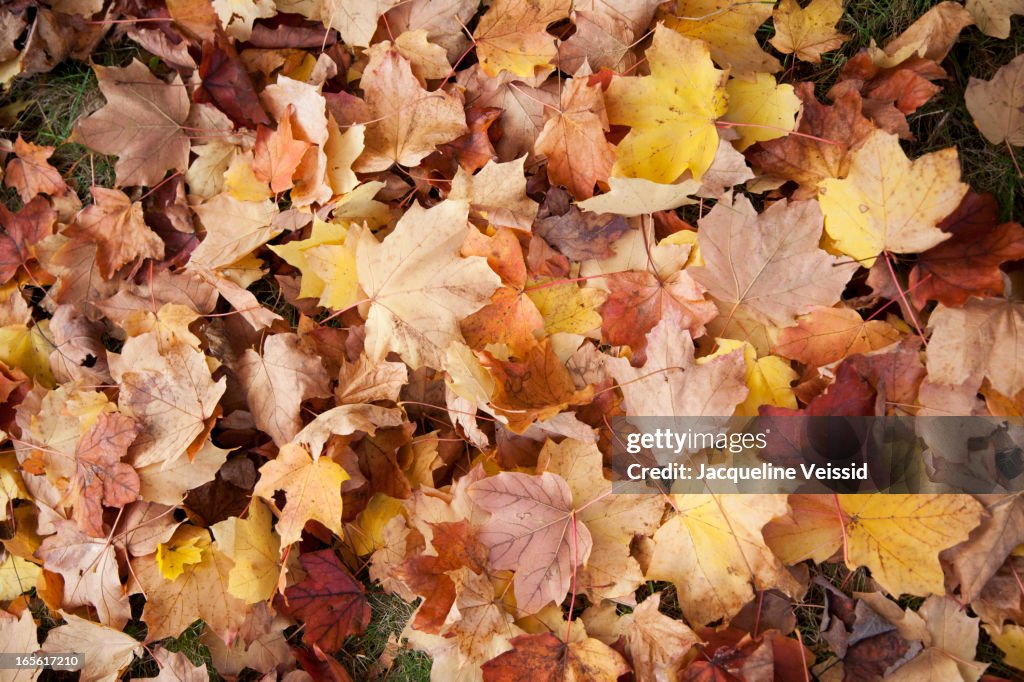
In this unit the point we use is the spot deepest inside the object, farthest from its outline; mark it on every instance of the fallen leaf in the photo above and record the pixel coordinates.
(979, 339)
(728, 28)
(761, 108)
(768, 266)
(546, 658)
(105, 651)
(512, 36)
(808, 32)
(997, 105)
(993, 16)
(419, 286)
(671, 113)
(116, 224)
(532, 529)
(827, 335)
(142, 122)
(888, 203)
(312, 487)
(101, 478)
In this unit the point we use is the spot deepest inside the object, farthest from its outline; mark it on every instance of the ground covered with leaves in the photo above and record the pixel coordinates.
(315, 315)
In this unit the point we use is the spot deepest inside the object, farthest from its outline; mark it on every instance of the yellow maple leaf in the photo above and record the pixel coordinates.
(672, 112)
(255, 549)
(768, 379)
(312, 487)
(512, 36)
(765, 109)
(887, 202)
(367, 533)
(566, 307)
(728, 27)
(185, 548)
(808, 31)
(28, 349)
(294, 253)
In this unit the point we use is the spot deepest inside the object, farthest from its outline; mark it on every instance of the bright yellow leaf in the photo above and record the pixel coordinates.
(888, 203)
(566, 307)
(672, 112)
(1010, 640)
(185, 548)
(29, 350)
(729, 27)
(17, 576)
(294, 253)
(768, 379)
(367, 533)
(241, 183)
(255, 549)
(765, 109)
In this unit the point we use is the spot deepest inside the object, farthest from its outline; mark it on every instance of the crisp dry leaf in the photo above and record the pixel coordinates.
(31, 173)
(106, 651)
(573, 139)
(329, 600)
(728, 28)
(512, 36)
(713, 551)
(312, 488)
(768, 266)
(993, 16)
(763, 109)
(657, 643)
(532, 529)
(117, 226)
(255, 549)
(406, 121)
(546, 658)
(142, 123)
(809, 31)
(997, 105)
(278, 381)
(980, 339)
(827, 335)
(419, 286)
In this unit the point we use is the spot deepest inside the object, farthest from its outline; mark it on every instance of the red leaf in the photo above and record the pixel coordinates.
(330, 601)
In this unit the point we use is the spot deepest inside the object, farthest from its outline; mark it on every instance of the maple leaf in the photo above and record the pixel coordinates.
(672, 384)
(573, 139)
(201, 591)
(312, 487)
(141, 123)
(70, 553)
(764, 109)
(278, 154)
(713, 551)
(277, 382)
(997, 105)
(827, 335)
(657, 642)
(329, 600)
(993, 16)
(535, 388)
(728, 28)
(512, 36)
(406, 121)
(888, 203)
(105, 651)
(255, 550)
(237, 16)
(101, 478)
(532, 529)
(234, 229)
(419, 286)
(823, 149)
(169, 391)
(980, 339)
(809, 31)
(768, 266)
(22, 231)
(671, 113)
(898, 537)
(546, 658)
(31, 173)
(497, 194)
(117, 226)
(968, 263)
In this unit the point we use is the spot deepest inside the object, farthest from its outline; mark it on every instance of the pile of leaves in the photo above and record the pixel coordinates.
(373, 277)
